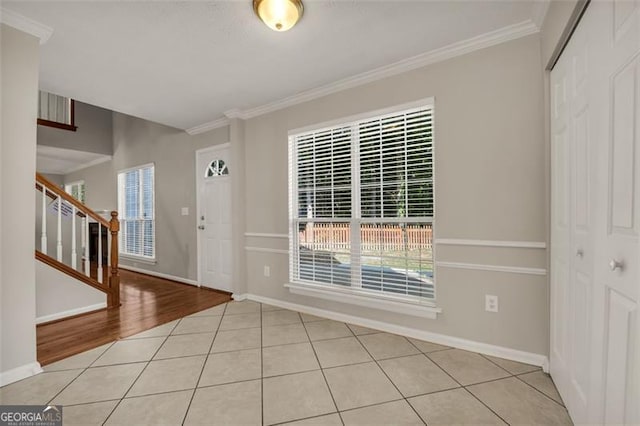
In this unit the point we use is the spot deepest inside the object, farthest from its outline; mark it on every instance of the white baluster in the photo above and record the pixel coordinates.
(43, 236)
(74, 254)
(59, 251)
(87, 260)
(99, 252)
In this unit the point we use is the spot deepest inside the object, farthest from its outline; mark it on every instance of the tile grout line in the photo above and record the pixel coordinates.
(538, 390)
(333, 399)
(385, 373)
(204, 364)
(138, 376)
(79, 374)
(538, 369)
(471, 393)
(465, 388)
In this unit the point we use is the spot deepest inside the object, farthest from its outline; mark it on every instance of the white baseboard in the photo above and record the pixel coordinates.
(71, 312)
(239, 297)
(19, 373)
(441, 339)
(160, 275)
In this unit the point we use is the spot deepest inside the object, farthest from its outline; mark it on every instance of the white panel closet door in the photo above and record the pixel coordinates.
(572, 233)
(617, 36)
(595, 287)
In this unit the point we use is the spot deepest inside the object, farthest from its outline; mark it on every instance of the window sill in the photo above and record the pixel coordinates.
(134, 258)
(349, 296)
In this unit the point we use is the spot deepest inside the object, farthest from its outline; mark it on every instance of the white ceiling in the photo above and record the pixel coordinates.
(60, 161)
(187, 63)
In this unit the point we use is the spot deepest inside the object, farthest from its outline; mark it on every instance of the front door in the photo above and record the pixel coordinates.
(214, 218)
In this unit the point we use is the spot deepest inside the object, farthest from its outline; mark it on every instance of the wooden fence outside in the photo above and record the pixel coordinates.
(386, 237)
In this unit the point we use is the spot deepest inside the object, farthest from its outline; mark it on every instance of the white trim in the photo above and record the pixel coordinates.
(493, 268)
(159, 275)
(19, 373)
(141, 166)
(539, 12)
(27, 25)
(453, 50)
(239, 297)
(491, 243)
(442, 339)
(71, 312)
(266, 250)
(210, 125)
(265, 235)
(134, 258)
(351, 297)
(89, 164)
(423, 103)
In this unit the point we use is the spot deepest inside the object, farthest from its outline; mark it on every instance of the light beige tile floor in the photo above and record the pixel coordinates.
(251, 364)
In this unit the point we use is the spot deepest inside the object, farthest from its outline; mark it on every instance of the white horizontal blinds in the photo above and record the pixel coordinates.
(323, 206)
(136, 199)
(362, 204)
(396, 195)
(396, 166)
(54, 108)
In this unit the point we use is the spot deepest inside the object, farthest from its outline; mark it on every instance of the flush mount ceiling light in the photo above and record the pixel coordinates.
(279, 15)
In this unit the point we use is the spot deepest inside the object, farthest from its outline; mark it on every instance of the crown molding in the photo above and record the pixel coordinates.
(539, 12)
(27, 25)
(441, 54)
(233, 113)
(205, 127)
(460, 48)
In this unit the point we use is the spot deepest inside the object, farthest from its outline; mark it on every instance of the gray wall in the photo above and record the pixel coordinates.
(137, 142)
(19, 88)
(94, 133)
(58, 295)
(489, 185)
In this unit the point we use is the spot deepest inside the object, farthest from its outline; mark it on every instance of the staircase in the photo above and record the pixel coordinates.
(70, 251)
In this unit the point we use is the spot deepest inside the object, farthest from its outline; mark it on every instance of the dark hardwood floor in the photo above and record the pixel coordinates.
(146, 302)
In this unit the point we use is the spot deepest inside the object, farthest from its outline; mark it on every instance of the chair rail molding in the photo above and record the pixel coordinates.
(491, 243)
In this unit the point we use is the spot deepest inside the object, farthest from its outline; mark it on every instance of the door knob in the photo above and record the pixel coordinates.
(579, 253)
(201, 227)
(616, 264)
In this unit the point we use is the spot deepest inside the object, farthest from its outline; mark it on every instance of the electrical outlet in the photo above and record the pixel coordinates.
(267, 271)
(490, 303)
(185, 211)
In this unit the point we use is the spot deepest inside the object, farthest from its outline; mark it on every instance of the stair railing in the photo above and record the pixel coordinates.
(57, 203)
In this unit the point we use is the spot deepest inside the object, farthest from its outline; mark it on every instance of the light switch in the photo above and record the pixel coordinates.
(185, 211)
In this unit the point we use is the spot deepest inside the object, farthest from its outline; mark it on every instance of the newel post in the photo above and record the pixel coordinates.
(113, 299)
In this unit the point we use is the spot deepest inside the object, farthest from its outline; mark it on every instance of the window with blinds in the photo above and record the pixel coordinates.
(137, 212)
(361, 205)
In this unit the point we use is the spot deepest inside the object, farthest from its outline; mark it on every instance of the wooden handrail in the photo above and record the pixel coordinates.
(112, 287)
(66, 269)
(52, 187)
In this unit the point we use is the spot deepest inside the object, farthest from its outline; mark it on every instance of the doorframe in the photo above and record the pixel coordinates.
(213, 148)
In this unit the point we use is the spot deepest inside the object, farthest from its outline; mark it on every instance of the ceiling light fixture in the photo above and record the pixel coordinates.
(279, 15)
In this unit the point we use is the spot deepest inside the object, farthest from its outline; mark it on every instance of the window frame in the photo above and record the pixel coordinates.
(121, 210)
(412, 305)
(58, 125)
(68, 189)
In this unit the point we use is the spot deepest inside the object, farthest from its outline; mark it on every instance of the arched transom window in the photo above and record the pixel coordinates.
(217, 168)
